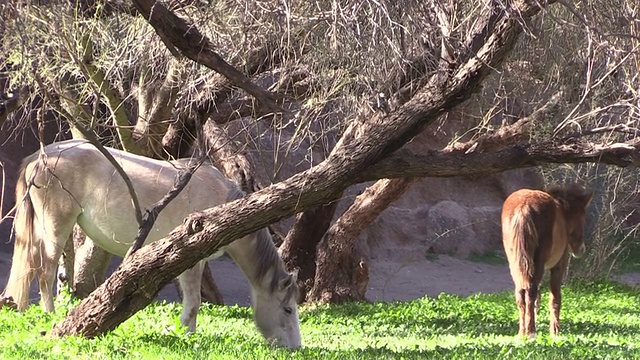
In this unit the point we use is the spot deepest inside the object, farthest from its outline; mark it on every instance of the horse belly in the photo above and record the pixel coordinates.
(558, 243)
(114, 241)
(553, 259)
(114, 230)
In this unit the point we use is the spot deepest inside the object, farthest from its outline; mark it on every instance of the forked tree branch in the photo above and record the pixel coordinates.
(150, 215)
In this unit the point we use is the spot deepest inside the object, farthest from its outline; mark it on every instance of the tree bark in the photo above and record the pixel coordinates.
(155, 107)
(142, 275)
(90, 265)
(298, 250)
(342, 273)
(229, 157)
(459, 163)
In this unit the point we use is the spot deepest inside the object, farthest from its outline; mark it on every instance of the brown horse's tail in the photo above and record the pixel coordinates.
(22, 267)
(525, 241)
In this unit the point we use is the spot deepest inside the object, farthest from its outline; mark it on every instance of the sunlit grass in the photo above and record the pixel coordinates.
(599, 320)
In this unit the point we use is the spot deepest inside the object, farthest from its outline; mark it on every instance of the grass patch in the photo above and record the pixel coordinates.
(492, 257)
(599, 320)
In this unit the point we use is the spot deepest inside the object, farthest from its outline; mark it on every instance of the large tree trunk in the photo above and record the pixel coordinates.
(90, 266)
(364, 144)
(343, 273)
(299, 247)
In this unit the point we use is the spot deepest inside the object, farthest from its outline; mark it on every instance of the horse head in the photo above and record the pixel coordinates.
(575, 200)
(275, 311)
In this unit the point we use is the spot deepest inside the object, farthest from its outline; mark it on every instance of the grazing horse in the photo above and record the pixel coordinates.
(539, 230)
(71, 182)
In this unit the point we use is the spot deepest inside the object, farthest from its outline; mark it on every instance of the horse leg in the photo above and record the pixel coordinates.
(532, 298)
(520, 302)
(49, 254)
(190, 282)
(555, 297)
(65, 268)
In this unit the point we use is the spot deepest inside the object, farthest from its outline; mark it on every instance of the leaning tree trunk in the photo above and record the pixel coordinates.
(178, 140)
(342, 273)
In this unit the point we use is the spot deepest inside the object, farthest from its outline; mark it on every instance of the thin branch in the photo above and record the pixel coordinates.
(620, 128)
(90, 136)
(13, 102)
(588, 90)
(151, 215)
(509, 134)
(116, 104)
(193, 44)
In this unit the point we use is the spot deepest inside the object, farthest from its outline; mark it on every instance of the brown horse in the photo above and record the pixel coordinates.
(539, 230)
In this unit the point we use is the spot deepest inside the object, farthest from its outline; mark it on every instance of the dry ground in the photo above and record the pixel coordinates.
(389, 280)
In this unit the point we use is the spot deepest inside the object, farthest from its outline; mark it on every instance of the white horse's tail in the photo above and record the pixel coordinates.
(22, 266)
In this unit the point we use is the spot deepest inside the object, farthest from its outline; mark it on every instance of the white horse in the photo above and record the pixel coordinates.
(72, 182)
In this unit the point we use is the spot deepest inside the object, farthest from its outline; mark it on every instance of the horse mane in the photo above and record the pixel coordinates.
(572, 197)
(269, 261)
(265, 253)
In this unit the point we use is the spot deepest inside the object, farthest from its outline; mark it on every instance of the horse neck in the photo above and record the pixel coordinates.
(258, 258)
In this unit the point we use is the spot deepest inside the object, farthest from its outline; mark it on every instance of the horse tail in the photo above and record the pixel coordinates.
(525, 241)
(22, 264)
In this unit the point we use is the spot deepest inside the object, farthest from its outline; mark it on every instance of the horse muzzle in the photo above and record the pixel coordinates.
(288, 343)
(579, 252)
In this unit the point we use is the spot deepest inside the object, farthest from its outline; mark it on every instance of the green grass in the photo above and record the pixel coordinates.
(492, 257)
(599, 321)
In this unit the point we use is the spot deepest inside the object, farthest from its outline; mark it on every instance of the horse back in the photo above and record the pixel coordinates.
(528, 218)
(88, 190)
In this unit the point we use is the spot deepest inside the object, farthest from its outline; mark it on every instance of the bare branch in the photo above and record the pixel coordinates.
(197, 47)
(13, 102)
(509, 134)
(150, 215)
(448, 164)
(91, 137)
(115, 103)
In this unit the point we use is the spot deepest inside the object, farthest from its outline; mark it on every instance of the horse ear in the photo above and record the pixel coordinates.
(289, 280)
